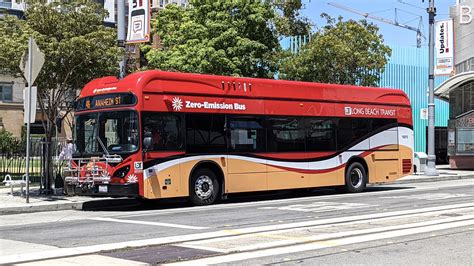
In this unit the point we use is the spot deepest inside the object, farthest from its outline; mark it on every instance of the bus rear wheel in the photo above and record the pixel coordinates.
(203, 187)
(356, 178)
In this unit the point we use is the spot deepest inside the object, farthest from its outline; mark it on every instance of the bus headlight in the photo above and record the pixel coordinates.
(122, 172)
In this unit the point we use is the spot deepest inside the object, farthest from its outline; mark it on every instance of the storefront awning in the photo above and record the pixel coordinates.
(442, 91)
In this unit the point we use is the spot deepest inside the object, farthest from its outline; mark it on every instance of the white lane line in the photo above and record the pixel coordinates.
(282, 201)
(324, 244)
(147, 223)
(393, 214)
(200, 244)
(65, 252)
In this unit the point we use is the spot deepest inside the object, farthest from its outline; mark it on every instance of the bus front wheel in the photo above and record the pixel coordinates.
(204, 187)
(356, 178)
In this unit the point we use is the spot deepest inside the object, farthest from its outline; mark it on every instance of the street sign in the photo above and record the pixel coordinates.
(37, 64)
(424, 113)
(33, 104)
(30, 66)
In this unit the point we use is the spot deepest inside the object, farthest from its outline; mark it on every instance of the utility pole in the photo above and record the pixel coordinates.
(121, 33)
(431, 163)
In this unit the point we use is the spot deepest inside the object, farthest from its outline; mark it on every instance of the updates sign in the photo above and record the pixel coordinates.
(444, 47)
(138, 21)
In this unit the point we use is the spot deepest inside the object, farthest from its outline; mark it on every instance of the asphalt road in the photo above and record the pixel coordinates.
(418, 223)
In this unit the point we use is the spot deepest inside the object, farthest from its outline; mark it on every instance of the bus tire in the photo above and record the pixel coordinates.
(203, 187)
(355, 177)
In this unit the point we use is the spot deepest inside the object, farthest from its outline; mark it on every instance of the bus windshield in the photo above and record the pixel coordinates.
(118, 132)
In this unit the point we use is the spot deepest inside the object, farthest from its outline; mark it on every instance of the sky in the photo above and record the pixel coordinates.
(393, 35)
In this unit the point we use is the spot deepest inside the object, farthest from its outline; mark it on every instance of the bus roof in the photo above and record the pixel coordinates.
(155, 81)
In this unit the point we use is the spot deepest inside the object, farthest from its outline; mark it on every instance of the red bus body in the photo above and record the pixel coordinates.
(178, 93)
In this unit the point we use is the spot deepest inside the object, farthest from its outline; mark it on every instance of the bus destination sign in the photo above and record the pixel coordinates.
(105, 101)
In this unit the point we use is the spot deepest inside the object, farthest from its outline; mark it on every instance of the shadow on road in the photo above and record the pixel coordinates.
(129, 204)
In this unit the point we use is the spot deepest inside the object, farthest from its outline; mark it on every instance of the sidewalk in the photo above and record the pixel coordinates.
(16, 204)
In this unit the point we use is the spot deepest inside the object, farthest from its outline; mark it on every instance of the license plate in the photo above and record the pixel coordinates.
(103, 189)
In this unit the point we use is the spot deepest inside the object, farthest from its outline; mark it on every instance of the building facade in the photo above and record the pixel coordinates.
(407, 69)
(458, 90)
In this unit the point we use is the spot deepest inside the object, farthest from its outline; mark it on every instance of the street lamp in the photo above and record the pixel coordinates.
(431, 163)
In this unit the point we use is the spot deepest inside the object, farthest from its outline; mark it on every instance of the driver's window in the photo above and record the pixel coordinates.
(164, 129)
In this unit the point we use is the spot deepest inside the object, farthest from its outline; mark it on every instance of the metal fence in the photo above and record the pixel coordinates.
(14, 163)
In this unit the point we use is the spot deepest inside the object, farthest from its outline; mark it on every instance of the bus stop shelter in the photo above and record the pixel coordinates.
(458, 90)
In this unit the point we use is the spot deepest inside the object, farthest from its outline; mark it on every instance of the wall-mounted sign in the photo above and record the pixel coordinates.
(138, 21)
(424, 113)
(465, 14)
(444, 63)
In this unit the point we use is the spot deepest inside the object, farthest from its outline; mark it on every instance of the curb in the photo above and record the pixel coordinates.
(41, 208)
(433, 179)
(87, 205)
(90, 205)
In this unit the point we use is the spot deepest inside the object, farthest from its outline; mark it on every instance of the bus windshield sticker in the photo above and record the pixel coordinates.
(138, 167)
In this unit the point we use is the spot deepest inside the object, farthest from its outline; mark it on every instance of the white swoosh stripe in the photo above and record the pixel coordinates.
(380, 139)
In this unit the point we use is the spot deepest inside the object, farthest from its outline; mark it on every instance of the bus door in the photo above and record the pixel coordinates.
(246, 169)
(166, 131)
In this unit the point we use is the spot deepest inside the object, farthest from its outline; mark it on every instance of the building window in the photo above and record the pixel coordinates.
(461, 100)
(465, 140)
(6, 3)
(6, 94)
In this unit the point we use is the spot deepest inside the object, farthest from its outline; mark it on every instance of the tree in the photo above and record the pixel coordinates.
(342, 52)
(218, 37)
(288, 21)
(77, 47)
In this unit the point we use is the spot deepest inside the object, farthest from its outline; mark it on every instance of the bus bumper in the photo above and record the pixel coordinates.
(104, 190)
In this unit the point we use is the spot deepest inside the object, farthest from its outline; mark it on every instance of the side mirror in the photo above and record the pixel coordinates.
(147, 141)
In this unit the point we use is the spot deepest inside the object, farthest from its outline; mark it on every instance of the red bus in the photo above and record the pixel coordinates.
(158, 134)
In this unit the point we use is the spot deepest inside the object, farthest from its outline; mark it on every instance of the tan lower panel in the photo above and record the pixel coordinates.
(275, 178)
(333, 178)
(285, 180)
(387, 165)
(236, 166)
(157, 187)
(246, 182)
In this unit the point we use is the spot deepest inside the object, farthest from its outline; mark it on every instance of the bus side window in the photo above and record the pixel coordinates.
(351, 131)
(247, 134)
(205, 133)
(165, 130)
(320, 134)
(286, 134)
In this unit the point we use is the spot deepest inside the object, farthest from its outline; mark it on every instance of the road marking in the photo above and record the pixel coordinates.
(147, 223)
(324, 244)
(65, 252)
(428, 196)
(320, 206)
(292, 240)
(282, 201)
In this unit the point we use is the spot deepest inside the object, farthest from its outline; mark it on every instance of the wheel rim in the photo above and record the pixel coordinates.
(356, 177)
(204, 187)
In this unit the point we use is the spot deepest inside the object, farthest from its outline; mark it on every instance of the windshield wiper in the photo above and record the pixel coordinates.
(102, 145)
